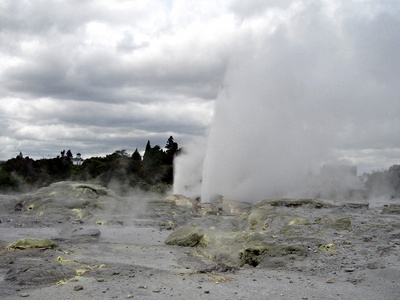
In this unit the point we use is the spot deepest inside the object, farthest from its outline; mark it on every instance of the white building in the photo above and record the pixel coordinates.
(78, 160)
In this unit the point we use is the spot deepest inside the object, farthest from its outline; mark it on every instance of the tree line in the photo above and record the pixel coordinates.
(152, 172)
(384, 182)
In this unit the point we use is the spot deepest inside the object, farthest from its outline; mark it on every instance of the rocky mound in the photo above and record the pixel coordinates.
(299, 234)
(63, 201)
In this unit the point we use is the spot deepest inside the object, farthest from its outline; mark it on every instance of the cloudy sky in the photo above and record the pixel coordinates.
(99, 76)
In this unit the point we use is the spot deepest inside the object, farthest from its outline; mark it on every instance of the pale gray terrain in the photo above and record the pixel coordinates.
(102, 246)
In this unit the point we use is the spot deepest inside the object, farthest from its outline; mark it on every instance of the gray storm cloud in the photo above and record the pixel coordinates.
(95, 78)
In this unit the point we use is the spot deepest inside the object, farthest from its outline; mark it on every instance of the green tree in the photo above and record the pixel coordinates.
(171, 147)
(148, 146)
(7, 182)
(153, 156)
(121, 153)
(136, 155)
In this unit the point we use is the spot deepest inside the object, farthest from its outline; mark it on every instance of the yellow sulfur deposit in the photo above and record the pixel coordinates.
(31, 243)
(101, 223)
(78, 212)
(298, 221)
(61, 282)
(327, 248)
(62, 260)
(101, 266)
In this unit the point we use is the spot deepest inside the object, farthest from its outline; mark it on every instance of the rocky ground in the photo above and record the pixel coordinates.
(82, 241)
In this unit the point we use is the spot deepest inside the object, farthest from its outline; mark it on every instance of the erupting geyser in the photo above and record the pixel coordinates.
(266, 136)
(296, 95)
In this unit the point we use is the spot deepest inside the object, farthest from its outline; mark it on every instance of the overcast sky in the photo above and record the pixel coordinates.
(99, 76)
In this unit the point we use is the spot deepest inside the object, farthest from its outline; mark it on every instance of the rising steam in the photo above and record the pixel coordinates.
(292, 96)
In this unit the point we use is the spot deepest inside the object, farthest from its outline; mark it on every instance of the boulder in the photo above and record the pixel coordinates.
(186, 237)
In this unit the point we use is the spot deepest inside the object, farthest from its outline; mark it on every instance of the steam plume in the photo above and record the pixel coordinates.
(293, 96)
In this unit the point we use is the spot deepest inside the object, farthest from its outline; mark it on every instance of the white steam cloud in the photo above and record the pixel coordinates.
(297, 94)
(188, 168)
(265, 136)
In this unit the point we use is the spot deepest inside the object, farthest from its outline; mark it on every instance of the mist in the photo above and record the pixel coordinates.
(296, 95)
(188, 168)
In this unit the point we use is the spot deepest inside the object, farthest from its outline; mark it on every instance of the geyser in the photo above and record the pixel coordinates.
(299, 92)
(274, 121)
(266, 136)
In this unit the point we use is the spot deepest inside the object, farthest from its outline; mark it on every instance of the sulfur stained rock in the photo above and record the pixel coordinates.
(182, 200)
(32, 243)
(327, 248)
(392, 209)
(62, 197)
(253, 253)
(258, 216)
(186, 236)
(339, 223)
